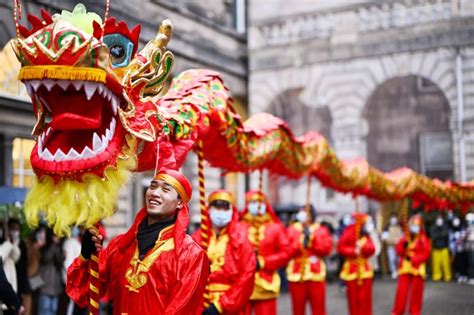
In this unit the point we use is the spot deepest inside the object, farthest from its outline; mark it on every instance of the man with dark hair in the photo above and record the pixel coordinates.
(154, 268)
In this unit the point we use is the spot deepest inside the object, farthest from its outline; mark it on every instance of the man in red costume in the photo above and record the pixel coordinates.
(154, 268)
(269, 240)
(356, 246)
(231, 256)
(306, 272)
(413, 251)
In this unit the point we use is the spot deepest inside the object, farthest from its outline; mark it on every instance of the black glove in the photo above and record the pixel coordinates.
(87, 246)
(407, 258)
(306, 238)
(405, 244)
(211, 310)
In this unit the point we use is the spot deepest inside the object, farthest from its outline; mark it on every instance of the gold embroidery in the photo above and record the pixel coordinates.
(304, 273)
(216, 251)
(136, 274)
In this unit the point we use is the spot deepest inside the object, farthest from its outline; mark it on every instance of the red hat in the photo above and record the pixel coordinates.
(178, 181)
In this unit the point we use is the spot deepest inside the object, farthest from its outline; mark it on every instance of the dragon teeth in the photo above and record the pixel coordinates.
(48, 84)
(90, 88)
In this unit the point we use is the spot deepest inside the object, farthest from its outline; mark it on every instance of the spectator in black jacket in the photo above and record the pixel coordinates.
(441, 264)
(8, 295)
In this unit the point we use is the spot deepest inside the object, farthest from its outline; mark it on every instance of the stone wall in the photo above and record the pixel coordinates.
(337, 57)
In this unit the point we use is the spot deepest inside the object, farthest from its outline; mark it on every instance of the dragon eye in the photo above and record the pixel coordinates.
(120, 48)
(117, 51)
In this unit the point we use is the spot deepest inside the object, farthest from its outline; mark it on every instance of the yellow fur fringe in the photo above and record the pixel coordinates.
(79, 203)
(62, 73)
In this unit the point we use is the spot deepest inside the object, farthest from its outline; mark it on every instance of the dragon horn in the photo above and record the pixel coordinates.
(164, 33)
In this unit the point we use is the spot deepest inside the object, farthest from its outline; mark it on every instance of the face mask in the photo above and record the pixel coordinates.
(347, 220)
(393, 221)
(369, 227)
(257, 208)
(220, 218)
(450, 215)
(456, 222)
(439, 222)
(75, 231)
(15, 235)
(302, 216)
(415, 229)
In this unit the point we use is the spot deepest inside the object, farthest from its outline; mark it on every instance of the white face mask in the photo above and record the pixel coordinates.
(220, 218)
(456, 222)
(15, 235)
(347, 220)
(393, 221)
(369, 227)
(256, 207)
(414, 228)
(302, 216)
(439, 222)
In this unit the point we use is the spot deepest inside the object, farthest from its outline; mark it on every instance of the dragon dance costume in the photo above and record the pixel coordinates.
(232, 261)
(269, 239)
(306, 271)
(413, 251)
(356, 271)
(169, 279)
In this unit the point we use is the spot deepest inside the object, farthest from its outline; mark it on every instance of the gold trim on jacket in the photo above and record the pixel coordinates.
(137, 273)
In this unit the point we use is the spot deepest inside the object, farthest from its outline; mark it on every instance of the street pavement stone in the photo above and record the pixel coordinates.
(439, 299)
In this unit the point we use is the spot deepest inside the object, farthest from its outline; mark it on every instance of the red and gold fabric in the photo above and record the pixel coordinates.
(232, 263)
(412, 272)
(149, 285)
(355, 266)
(269, 240)
(418, 251)
(307, 264)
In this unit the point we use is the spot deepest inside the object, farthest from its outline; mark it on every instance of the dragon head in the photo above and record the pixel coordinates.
(93, 96)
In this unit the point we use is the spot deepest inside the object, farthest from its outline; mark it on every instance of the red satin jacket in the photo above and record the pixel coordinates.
(307, 264)
(355, 266)
(170, 279)
(269, 239)
(232, 262)
(418, 250)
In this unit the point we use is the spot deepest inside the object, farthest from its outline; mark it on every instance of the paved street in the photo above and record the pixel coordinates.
(439, 299)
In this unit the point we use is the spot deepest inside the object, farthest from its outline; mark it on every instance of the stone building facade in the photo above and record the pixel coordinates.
(390, 81)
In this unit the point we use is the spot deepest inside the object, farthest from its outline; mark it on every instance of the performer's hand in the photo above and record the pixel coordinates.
(357, 249)
(211, 310)
(21, 311)
(405, 244)
(257, 268)
(407, 258)
(91, 243)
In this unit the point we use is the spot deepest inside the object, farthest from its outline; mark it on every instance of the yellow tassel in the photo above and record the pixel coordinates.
(79, 203)
(62, 73)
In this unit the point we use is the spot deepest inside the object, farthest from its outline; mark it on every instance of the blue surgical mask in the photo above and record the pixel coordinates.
(414, 228)
(256, 208)
(75, 231)
(302, 216)
(220, 218)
